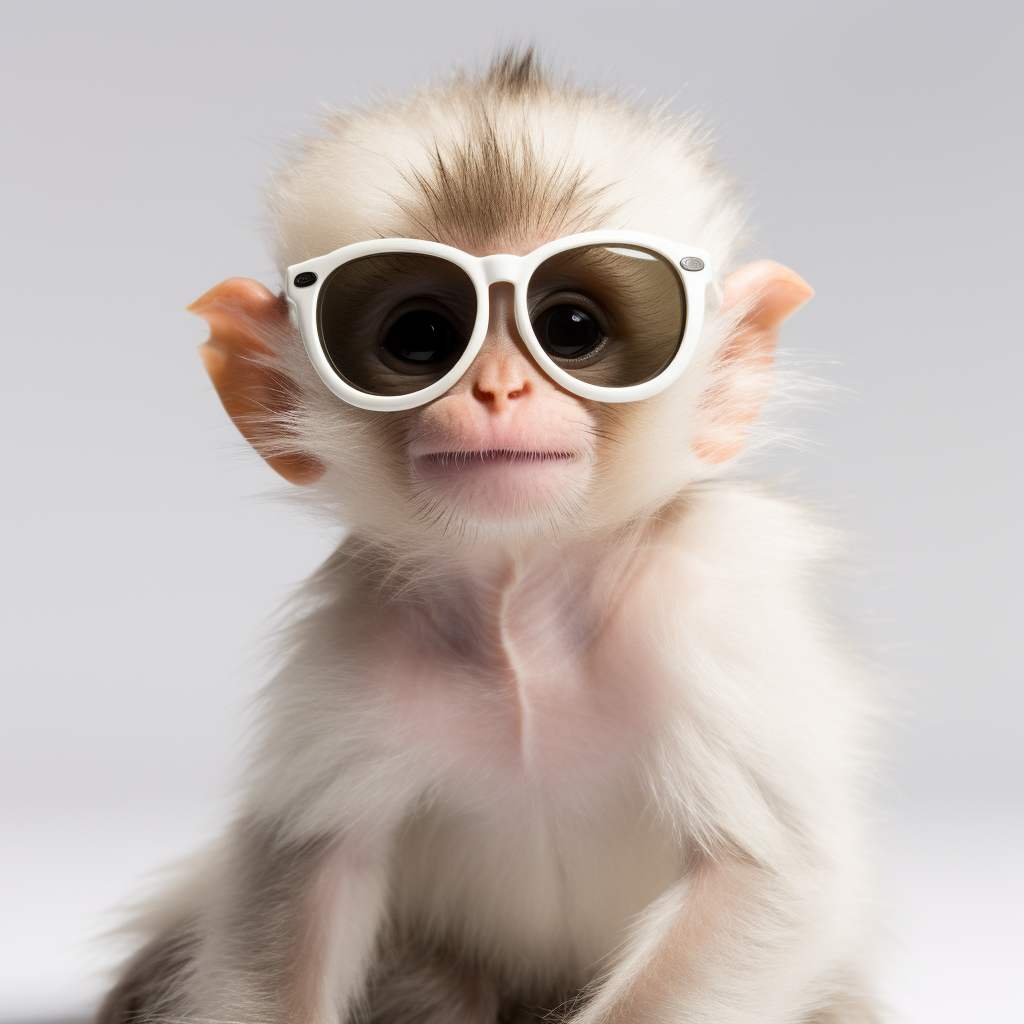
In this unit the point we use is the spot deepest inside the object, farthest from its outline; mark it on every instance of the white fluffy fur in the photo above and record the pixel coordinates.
(645, 793)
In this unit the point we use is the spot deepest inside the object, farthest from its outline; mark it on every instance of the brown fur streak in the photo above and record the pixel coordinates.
(489, 182)
(148, 986)
(515, 73)
(490, 186)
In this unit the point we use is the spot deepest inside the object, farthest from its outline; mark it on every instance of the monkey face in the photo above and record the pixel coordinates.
(498, 364)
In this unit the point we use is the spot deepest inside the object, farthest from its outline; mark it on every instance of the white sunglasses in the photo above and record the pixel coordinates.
(391, 324)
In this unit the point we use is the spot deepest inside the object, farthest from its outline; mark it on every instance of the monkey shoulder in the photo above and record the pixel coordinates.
(728, 547)
(730, 601)
(753, 681)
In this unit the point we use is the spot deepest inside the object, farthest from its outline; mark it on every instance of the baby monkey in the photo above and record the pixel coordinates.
(562, 732)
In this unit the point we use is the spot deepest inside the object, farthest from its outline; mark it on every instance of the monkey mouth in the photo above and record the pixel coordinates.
(500, 483)
(459, 460)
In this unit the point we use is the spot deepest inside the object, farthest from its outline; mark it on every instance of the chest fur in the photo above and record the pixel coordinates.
(546, 699)
(543, 845)
(532, 882)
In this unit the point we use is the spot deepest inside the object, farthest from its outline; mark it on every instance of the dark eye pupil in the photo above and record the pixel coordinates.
(567, 331)
(420, 336)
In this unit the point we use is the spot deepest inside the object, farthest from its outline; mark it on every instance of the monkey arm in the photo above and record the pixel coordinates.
(295, 927)
(272, 927)
(292, 931)
(731, 943)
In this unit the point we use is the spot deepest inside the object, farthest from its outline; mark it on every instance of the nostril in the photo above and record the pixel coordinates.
(491, 393)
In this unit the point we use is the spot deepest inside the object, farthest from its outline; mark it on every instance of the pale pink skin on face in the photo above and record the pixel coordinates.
(505, 440)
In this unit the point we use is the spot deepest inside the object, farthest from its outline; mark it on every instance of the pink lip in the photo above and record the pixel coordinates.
(460, 460)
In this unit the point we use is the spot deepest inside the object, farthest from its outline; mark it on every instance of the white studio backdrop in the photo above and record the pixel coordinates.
(880, 147)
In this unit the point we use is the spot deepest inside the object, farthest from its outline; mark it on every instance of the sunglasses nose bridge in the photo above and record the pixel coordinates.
(500, 268)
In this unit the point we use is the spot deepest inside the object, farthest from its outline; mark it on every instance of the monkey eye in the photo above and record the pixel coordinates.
(568, 329)
(418, 340)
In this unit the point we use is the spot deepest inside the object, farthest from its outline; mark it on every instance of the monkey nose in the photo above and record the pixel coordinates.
(502, 372)
(498, 383)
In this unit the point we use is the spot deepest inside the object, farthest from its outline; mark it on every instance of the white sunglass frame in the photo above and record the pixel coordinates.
(484, 271)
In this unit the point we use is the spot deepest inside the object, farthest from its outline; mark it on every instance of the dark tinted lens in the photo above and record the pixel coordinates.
(394, 323)
(608, 315)
(422, 337)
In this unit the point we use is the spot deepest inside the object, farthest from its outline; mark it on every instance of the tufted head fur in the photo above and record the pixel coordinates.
(508, 158)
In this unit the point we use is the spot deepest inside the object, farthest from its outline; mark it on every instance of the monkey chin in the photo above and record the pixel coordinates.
(501, 485)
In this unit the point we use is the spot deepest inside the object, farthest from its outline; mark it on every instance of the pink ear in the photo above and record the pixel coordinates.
(768, 294)
(236, 310)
